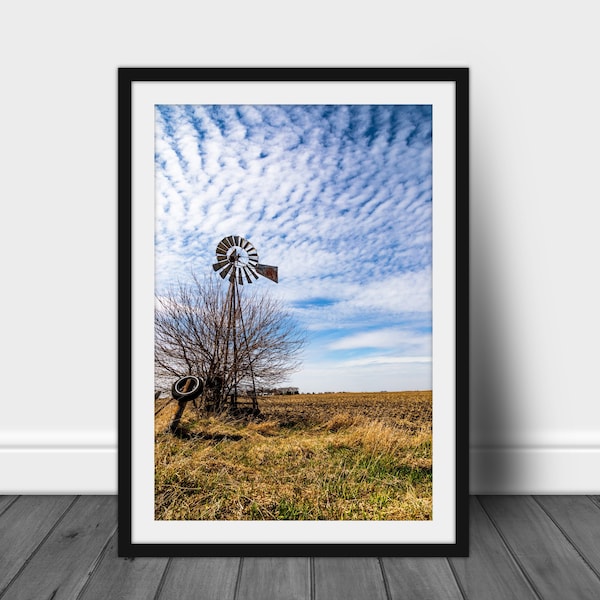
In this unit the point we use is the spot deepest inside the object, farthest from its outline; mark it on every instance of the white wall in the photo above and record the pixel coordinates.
(535, 207)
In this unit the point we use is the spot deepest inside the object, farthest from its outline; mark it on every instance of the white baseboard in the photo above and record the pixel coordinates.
(93, 470)
(535, 470)
(67, 470)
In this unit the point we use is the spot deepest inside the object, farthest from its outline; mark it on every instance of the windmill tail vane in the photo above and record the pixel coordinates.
(268, 271)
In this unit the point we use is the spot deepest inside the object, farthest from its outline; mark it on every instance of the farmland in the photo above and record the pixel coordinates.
(337, 456)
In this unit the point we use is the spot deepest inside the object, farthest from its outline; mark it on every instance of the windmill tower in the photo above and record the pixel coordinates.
(236, 261)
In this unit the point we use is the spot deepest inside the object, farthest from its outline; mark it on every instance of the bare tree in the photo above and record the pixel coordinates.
(191, 337)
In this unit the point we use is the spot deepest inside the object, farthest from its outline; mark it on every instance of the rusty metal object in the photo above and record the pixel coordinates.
(183, 390)
(268, 271)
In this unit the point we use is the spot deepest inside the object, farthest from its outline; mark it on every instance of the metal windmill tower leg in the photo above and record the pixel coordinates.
(244, 339)
(228, 363)
(229, 342)
(234, 362)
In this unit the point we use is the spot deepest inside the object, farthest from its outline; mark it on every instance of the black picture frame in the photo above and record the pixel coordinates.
(453, 84)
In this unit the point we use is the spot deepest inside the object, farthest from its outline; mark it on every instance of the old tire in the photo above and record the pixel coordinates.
(195, 386)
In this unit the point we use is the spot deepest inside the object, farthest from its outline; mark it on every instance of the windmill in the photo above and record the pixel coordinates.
(236, 261)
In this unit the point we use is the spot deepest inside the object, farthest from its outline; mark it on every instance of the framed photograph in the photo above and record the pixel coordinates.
(293, 311)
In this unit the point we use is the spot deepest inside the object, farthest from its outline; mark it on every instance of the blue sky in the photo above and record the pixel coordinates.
(339, 198)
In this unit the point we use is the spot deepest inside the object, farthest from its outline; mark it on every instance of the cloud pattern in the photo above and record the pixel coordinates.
(338, 197)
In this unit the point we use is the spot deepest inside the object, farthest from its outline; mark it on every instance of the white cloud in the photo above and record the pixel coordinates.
(381, 338)
(385, 360)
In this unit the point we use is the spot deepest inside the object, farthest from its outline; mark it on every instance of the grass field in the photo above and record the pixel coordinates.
(309, 456)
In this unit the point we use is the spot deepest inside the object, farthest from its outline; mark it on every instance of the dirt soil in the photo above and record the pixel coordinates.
(411, 410)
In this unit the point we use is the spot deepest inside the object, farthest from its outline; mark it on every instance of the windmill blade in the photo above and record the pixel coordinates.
(226, 270)
(250, 269)
(222, 248)
(267, 271)
(253, 257)
(246, 270)
(230, 241)
(220, 265)
(240, 277)
(246, 245)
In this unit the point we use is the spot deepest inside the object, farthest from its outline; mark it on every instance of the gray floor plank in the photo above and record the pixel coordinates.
(552, 564)
(420, 579)
(5, 502)
(23, 526)
(489, 571)
(274, 579)
(61, 566)
(348, 579)
(205, 578)
(579, 519)
(131, 579)
(595, 499)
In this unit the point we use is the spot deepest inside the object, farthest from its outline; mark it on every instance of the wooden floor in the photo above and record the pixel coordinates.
(538, 547)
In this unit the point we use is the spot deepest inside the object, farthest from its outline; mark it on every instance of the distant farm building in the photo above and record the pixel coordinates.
(282, 391)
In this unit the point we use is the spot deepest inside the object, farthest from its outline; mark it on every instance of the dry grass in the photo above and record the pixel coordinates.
(325, 456)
